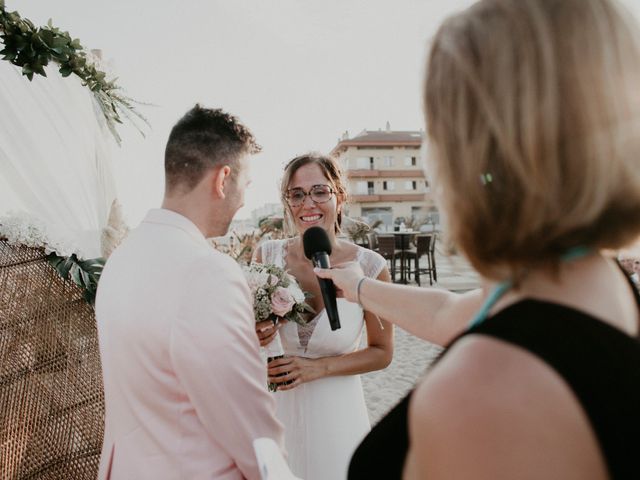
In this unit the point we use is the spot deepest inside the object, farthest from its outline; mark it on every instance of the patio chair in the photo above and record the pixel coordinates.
(432, 257)
(387, 248)
(424, 245)
(372, 241)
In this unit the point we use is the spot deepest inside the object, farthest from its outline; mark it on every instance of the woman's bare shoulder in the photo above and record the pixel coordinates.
(507, 410)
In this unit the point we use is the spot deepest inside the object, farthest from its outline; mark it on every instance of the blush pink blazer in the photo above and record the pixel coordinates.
(185, 387)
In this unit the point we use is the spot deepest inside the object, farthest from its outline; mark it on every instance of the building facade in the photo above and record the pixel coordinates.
(386, 178)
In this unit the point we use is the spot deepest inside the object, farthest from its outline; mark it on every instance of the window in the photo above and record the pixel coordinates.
(387, 161)
(388, 185)
(426, 186)
(362, 188)
(362, 162)
(434, 216)
(384, 214)
(410, 161)
(370, 188)
(414, 161)
(410, 185)
(371, 163)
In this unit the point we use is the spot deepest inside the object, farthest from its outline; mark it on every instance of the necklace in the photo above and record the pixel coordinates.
(503, 287)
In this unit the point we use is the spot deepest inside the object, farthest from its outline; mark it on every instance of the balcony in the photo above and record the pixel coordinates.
(366, 173)
(391, 197)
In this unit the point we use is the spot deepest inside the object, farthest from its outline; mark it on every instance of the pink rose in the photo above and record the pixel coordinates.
(282, 302)
(273, 280)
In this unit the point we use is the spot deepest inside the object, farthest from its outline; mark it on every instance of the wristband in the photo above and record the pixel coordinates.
(358, 287)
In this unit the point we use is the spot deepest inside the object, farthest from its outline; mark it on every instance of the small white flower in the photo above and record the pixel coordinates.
(25, 229)
(296, 292)
(255, 279)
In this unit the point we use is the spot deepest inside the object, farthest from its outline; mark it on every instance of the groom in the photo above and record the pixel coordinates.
(185, 388)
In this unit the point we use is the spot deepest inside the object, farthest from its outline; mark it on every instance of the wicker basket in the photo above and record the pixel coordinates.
(51, 394)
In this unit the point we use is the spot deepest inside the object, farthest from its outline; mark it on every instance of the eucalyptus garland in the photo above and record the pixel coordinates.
(84, 273)
(32, 48)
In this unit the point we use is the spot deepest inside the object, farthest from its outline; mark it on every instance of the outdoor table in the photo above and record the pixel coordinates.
(403, 243)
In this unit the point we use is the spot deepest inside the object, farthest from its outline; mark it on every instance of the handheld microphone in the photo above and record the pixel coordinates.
(317, 248)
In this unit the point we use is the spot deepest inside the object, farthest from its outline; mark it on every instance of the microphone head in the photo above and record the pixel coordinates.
(315, 240)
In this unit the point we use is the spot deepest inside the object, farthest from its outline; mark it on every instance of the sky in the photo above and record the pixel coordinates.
(298, 73)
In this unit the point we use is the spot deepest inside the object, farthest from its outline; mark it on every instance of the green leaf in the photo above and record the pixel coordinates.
(20, 42)
(65, 267)
(86, 279)
(40, 70)
(54, 260)
(47, 37)
(59, 42)
(76, 275)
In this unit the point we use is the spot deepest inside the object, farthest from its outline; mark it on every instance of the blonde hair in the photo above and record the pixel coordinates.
(332, 172)
(533, 116)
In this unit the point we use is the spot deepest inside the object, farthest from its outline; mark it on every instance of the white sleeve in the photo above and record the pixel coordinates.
(372, 263)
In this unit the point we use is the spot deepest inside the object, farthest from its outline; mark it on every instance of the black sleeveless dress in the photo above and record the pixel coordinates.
(600, 363)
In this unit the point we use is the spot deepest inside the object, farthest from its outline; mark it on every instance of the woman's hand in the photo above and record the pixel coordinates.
(345, 276)
(297, 370)
(267, 329)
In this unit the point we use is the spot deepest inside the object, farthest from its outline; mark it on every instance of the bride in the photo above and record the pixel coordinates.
(319, 395)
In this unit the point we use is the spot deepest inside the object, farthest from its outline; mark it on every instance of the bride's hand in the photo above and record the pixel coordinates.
(267, 329)
(298, 370)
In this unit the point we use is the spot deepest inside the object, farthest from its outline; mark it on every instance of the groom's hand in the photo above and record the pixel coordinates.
(267, 330)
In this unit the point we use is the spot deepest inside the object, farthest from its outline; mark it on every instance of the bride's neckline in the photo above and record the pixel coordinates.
(306, 331)
(287, 242)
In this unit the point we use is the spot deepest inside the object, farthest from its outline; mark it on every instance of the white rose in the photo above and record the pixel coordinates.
(296, 292)
(256, 280)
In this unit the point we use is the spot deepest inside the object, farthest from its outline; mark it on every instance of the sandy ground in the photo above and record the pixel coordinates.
(384, 388)
(412, 356)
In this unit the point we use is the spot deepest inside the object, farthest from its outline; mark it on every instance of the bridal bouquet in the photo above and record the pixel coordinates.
(276, 294)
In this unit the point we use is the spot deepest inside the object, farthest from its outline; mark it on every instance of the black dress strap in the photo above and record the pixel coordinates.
(598, 361)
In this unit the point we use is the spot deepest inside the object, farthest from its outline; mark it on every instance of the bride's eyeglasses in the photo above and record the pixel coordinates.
(318, 193)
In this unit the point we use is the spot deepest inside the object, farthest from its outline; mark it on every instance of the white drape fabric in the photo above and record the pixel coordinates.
(55, 153)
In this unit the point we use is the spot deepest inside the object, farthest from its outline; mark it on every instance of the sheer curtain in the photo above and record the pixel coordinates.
(55, 158)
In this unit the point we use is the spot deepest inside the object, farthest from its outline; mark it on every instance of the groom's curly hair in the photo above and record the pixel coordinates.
(202, 139)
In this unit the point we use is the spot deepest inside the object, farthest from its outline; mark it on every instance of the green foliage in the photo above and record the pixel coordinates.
(272, 225)
(84, 273)
(358, 230)
(32, 48)
(242, 245)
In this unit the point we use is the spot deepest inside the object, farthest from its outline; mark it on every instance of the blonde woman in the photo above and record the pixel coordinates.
(533, 121)
(319, 399)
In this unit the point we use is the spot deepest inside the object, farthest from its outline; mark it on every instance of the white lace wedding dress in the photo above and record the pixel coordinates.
(326, 419)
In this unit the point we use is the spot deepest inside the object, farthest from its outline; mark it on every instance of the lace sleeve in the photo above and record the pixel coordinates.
(272, 252)
(372, 263)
